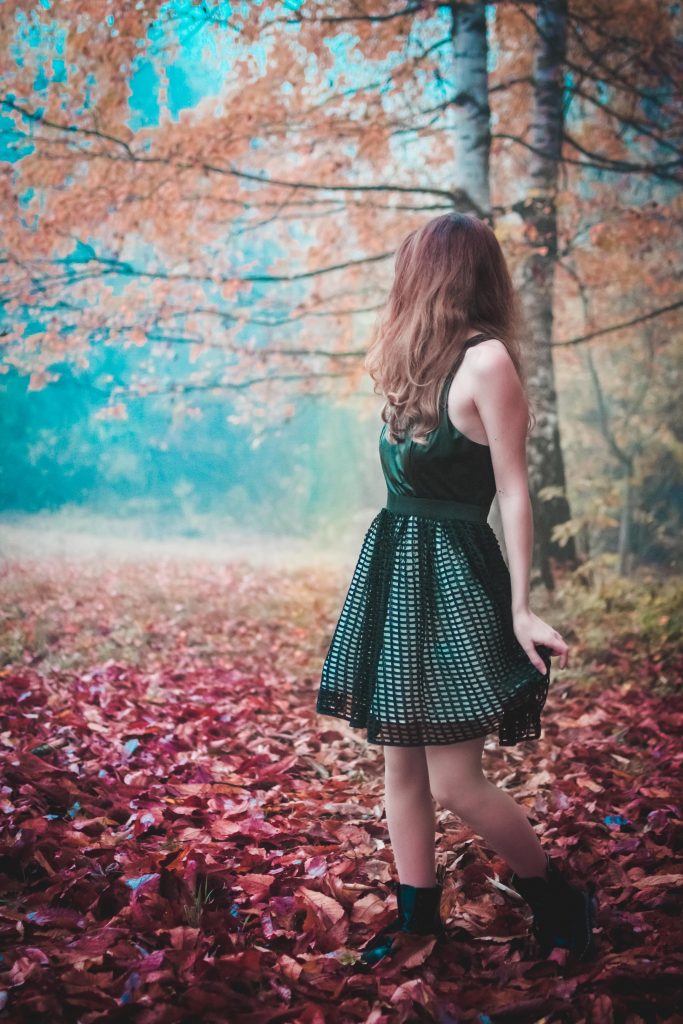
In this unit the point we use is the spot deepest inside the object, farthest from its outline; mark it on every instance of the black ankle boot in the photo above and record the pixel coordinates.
(418, 914)
(563, 914)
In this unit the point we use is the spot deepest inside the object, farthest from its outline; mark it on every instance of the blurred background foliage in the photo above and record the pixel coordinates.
(201, 204)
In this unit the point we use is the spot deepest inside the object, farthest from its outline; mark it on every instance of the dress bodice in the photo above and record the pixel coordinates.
(448, 465)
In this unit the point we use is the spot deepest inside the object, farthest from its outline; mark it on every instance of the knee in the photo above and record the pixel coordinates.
(405, 774)
(460, 795)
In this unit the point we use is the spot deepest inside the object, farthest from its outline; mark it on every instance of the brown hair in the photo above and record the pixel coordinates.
(450, 278)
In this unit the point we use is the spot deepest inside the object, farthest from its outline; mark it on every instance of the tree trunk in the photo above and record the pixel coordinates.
(626, 524)
(471, 131)
(538, 210)
(470, 112)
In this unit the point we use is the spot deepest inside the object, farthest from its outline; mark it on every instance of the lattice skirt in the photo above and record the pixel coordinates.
(424, 650)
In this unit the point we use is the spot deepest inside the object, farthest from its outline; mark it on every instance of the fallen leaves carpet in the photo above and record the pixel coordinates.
(183, 839)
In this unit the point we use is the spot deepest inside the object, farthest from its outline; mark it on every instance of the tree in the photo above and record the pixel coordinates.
(247, 219)
(539, 212)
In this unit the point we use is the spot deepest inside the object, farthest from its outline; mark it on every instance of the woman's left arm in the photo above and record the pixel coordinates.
(503, 410)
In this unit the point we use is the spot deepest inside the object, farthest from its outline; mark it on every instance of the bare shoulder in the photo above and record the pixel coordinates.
(490, 362)
(490, 356)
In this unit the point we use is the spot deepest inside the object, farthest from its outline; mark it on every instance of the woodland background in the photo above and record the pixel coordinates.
(201, 203)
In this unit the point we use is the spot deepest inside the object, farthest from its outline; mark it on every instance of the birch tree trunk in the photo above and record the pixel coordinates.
(470, 112)
(471, 131)
(538, 210)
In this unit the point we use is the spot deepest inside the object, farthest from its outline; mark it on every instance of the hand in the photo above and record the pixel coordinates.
(531, 630)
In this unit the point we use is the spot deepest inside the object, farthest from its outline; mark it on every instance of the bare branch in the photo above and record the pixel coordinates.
(582, 338)
(183, 387)
(456, 196)
(603, 164)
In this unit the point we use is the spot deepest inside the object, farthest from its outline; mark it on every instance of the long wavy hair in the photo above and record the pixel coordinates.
(450, 279)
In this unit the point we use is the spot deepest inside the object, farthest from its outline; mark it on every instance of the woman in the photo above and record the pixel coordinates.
(436, 645)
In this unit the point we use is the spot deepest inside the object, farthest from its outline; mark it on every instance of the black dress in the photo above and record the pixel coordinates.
(424, 650)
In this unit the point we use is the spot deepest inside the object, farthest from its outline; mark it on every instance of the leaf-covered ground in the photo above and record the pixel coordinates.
(183, 839)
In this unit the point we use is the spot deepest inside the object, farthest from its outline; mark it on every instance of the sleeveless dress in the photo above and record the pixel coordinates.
(424, 650)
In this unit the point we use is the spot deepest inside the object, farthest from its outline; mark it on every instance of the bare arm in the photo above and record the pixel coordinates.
(502, 407)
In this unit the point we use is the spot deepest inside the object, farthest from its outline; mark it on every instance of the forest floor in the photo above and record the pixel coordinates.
(184, 839)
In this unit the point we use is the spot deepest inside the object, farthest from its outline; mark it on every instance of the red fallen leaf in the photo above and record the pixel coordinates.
(589, 784)
(201, 789)
(376, 1016)
(278, 768)
(601, 1010)
(379, 870)
(56, 917)
(348, 867)
(566, 987)
(43, 862)
(653, 880)
(145, 820)
(183, 938)
(369, 907)
(94, 826)
(248, 961)
(411, 950)
(37, 825)
(325, 918)
(256, 885)
(26, 965)
(313, 967)
(289, 967)
(316, 867)
(177, 860)
(280, 915)
(590, 718)
(311, 1014)
(35, 955)
(151, 963)
(224, 828)
(328, 909)
(558, 955)
(251, 825)
(283, 992)
(415, 991)
(267, 926)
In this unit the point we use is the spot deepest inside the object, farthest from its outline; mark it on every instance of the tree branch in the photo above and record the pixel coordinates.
(456, 196)
(582, 338)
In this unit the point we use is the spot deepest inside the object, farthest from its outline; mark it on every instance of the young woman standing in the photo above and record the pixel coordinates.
(436, 645)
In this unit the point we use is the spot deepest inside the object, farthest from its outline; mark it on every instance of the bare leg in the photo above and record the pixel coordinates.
(459, 784)
(410, 815)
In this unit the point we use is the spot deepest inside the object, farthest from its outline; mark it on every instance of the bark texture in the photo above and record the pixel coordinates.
(539, 213)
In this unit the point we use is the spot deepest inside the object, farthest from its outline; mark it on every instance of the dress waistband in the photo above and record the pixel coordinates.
(435, 508)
